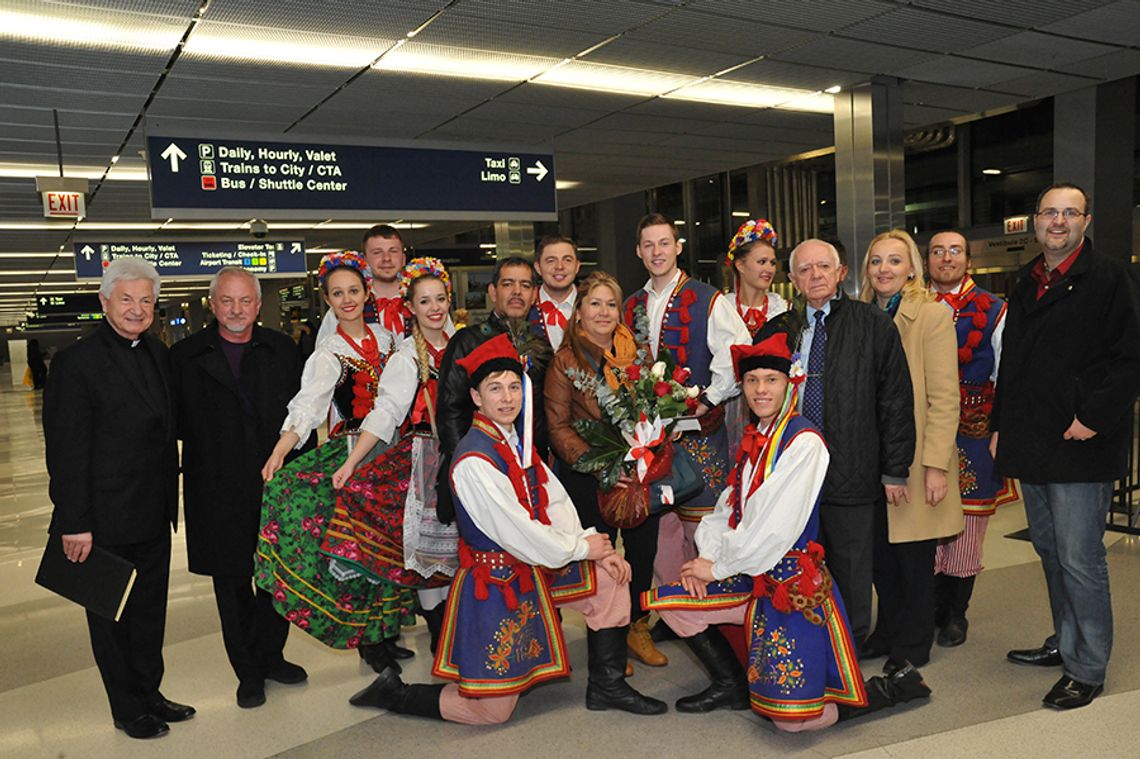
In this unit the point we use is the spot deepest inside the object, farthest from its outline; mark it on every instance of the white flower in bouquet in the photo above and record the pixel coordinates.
(693, 391)
(657, 372)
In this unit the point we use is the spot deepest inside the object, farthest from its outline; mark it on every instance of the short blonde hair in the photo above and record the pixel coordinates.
(914, 289)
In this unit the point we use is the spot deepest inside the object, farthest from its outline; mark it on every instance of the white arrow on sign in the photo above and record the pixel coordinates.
(43, 301)
(174, 154)
(295, 248)
(538, 170)
(87, 250)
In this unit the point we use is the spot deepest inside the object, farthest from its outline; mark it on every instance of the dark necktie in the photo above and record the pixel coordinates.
(813, 387)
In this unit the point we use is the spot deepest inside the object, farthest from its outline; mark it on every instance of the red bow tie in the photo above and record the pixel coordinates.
(554, 317)
(753, 443)
(391, 313)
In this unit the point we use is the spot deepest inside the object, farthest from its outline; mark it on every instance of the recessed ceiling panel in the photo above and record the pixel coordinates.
(853, 55)
(604, 17)
(1026, 13)
(1116, 65)
(729, 34)
(796, 75)
(340, 17)
(963, 72)
(1045, 51)
(921, 115)
(954, 98)
(924, 30)
(529, 36)
(817, 15)
(1045, 83)
(1117, 23)
(560, 118)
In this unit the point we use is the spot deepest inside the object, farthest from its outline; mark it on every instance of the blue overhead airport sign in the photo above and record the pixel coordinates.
(204, 177)
(193, 259)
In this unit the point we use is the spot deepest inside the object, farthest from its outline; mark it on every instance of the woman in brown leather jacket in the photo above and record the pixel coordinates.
(598, 342)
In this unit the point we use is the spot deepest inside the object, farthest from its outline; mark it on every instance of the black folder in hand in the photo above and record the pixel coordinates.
(100, 584)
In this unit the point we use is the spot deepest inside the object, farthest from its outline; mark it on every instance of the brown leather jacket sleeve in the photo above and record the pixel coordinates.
(567, 444)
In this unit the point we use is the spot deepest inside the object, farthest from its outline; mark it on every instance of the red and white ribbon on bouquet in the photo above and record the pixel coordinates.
(646, 436)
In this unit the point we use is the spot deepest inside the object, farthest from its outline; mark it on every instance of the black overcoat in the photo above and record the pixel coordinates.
(227, 433)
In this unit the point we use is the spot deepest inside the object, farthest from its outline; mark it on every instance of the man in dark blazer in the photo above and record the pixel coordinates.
(233, 381)
(109, 434)
(1062, 417)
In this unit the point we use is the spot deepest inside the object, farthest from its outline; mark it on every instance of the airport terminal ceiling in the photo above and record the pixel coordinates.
(628, 94)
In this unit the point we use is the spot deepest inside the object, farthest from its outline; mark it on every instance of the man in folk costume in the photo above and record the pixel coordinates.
(383, 248)
(523, 554)
(557, 264)
(760, 565)
(692, 321)
(979, 319)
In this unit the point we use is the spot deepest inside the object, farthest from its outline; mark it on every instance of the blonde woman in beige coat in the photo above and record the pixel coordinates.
(907, 532)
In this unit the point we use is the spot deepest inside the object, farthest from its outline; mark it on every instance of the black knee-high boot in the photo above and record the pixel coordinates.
(889, 690)
(376, 655)
(434, 619)
(389, 692)
(729, 688)
(607, 688)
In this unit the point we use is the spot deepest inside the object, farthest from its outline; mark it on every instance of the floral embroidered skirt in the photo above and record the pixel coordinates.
(795, 666)
(297, 507)
(385, 524)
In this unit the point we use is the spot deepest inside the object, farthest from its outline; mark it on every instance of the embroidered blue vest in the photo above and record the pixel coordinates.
(981, 366)
(688, 342)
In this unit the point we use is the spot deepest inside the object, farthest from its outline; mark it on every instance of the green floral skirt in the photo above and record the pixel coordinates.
(296, 508)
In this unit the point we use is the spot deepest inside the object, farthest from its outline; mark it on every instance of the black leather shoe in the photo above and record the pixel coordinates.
(286, 673)
(168, 711)
(146, 726)
(893, 665)
(1038, 657)
(607, 688)
(1070, 694)
(376, 656)
(953, 633)
(250, 695)
(397, 651)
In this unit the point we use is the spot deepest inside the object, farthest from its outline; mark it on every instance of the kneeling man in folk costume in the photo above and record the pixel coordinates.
(760, 565)
(523, 554)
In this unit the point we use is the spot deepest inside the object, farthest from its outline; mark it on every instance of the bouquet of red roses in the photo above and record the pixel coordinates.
(634, 436)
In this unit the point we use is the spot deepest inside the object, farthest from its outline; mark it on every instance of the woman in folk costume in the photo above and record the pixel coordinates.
(760, 565)
(522, 553)
(598, 342)
(907, 531)
(385, 523)
(330, 601)
(752, 258)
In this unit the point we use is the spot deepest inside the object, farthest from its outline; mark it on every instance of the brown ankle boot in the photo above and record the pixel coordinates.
(641, 644)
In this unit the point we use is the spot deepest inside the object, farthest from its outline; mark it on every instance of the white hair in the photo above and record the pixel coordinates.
(829, 246)
(126, 269)
(234, 270)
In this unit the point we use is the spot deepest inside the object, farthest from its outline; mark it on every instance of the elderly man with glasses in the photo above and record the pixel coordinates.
(1061, 424)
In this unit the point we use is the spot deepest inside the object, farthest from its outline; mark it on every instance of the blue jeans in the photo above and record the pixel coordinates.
(1066, 525)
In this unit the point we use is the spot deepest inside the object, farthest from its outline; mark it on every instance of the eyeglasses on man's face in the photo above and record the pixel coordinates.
(1070, 214)
(954, 251)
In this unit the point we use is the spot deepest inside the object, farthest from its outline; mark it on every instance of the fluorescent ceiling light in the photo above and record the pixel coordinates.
(464, 62)
(601, 76)
(33, 272)
(565, 184)
(125, 31)
(991, 172)
(744, 94)
(815, 102)
(119, 173)
(834, 89)
(317, 50)
(741, 214)
(28, 255)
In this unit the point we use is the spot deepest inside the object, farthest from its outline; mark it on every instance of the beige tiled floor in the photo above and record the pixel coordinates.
(52, 703)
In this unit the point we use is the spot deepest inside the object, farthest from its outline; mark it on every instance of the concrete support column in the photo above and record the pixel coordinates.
(514, 238)
(1093, 146)
(869, 184)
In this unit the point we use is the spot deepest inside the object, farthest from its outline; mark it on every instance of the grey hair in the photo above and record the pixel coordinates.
(126, 269)
(834, 252)
(234, 270)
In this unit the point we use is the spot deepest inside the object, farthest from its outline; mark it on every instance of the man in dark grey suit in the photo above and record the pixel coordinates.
(233, 381)
(109, 434)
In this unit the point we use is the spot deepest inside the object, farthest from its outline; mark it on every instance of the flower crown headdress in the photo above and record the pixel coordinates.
(425, 266)
(749, 232)
(344, 259)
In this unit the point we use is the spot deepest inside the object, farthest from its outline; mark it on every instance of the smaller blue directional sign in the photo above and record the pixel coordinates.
(194, 259)
(199, 177)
